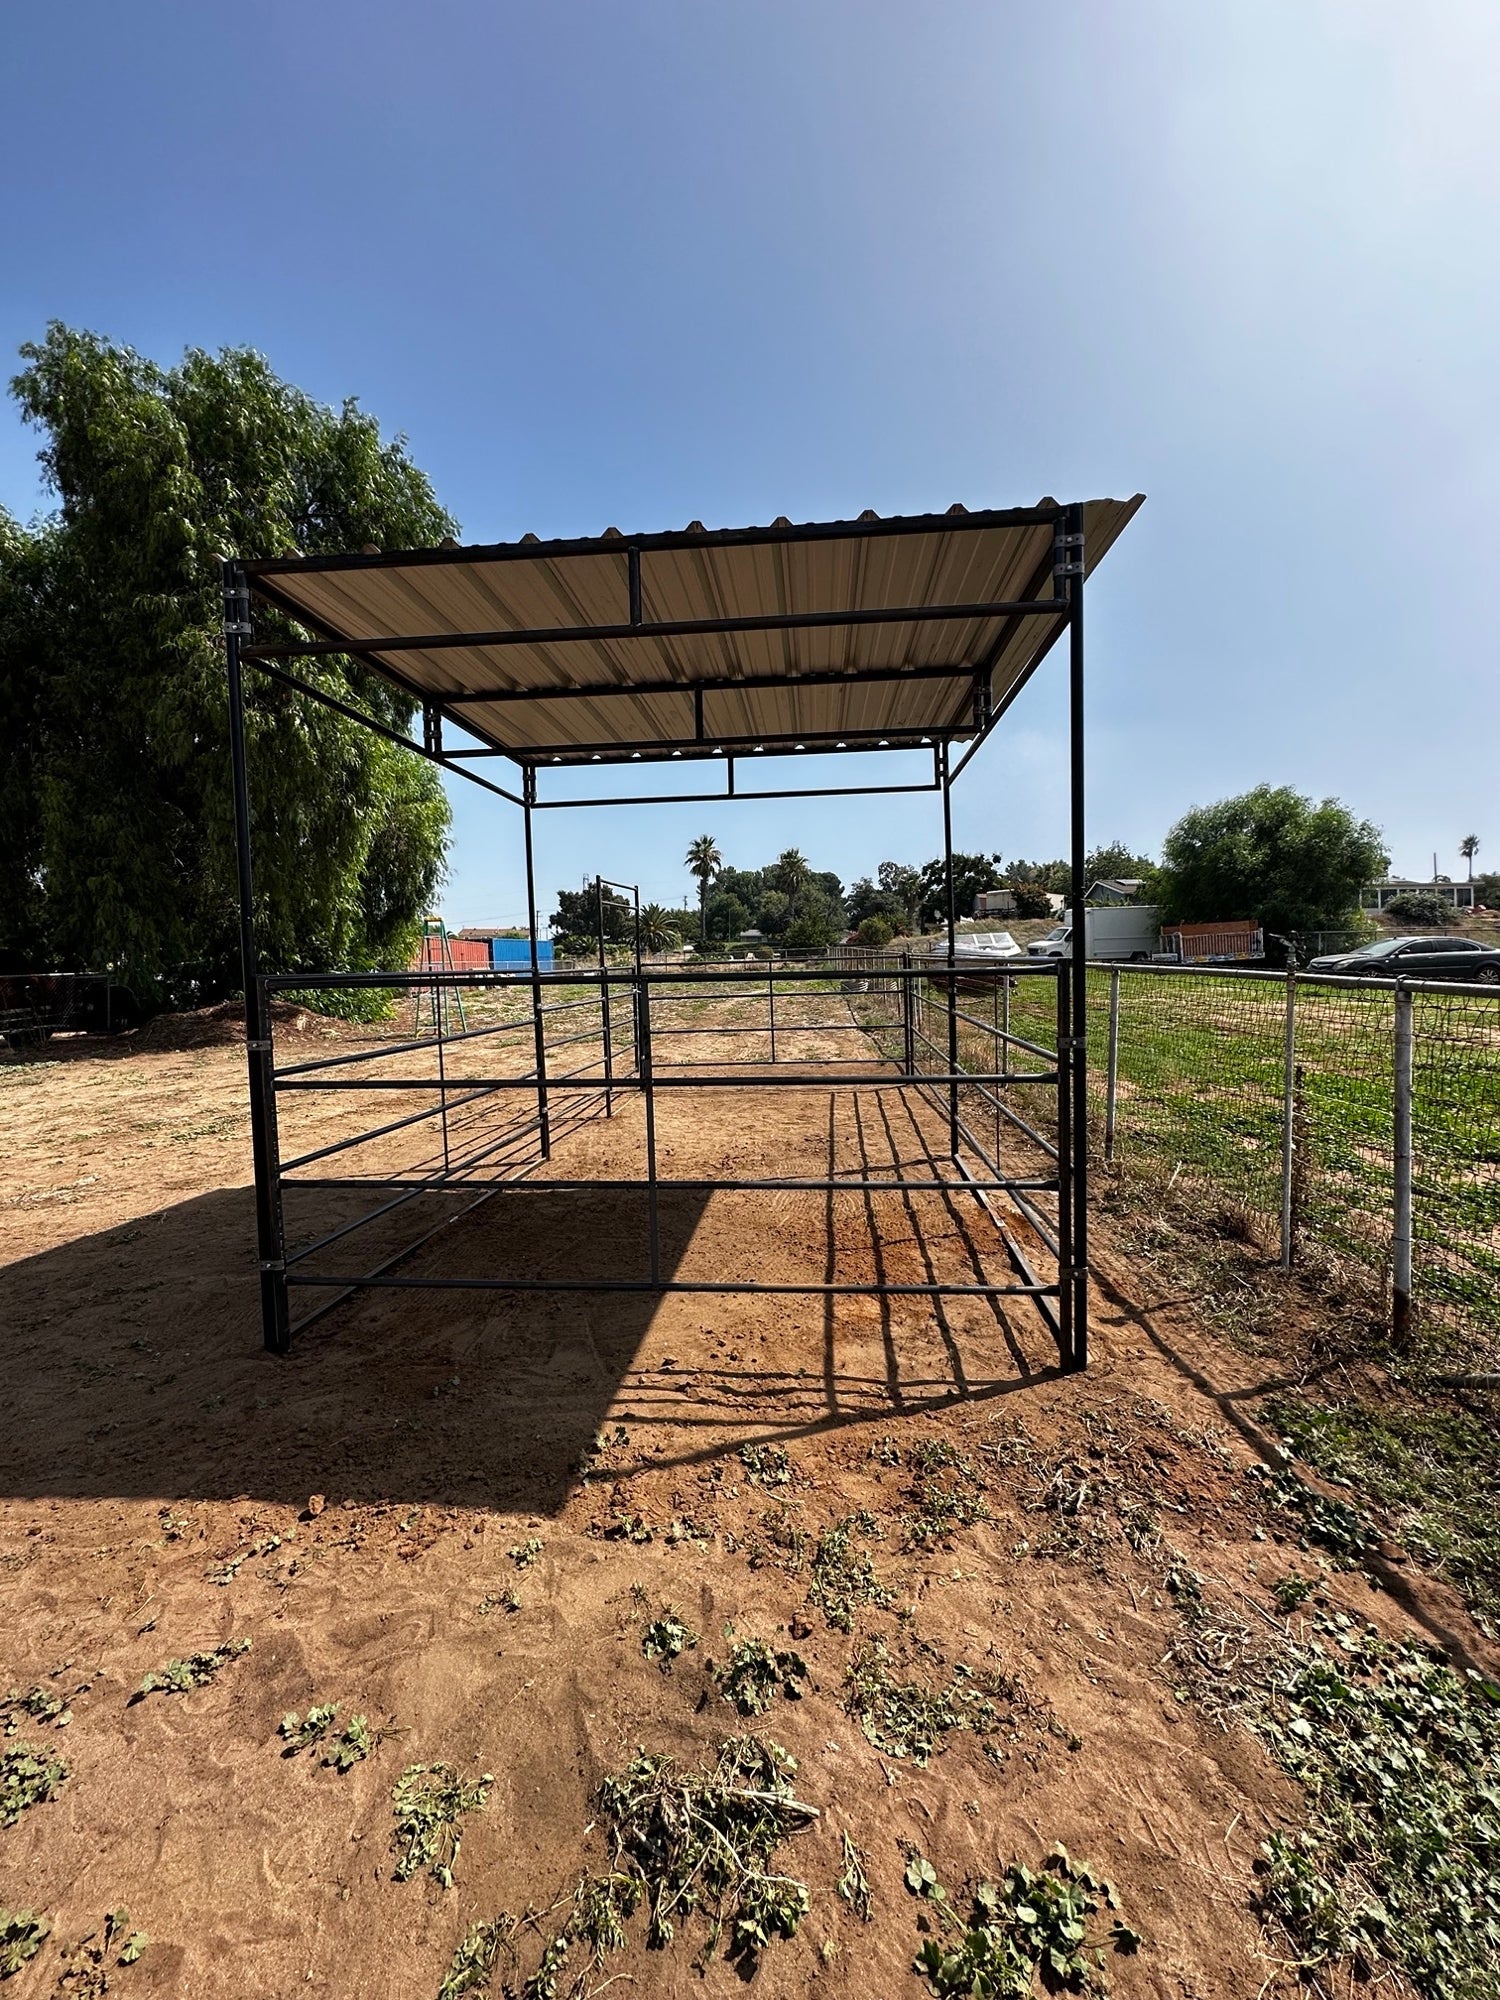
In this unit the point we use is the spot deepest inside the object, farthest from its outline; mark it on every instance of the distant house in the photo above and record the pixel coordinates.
(1113, 892)
(995, 903)
(1379, 894)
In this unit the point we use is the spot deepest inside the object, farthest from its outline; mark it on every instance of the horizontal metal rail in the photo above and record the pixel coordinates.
(885, 1290)
(886, 1080)
(1036, 1184)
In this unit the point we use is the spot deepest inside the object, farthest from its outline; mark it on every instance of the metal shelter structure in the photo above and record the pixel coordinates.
(721, 648)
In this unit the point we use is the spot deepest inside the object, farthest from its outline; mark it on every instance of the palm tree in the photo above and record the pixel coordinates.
(703, 860)
(658, 930)
(792, 871)
(1468, 847)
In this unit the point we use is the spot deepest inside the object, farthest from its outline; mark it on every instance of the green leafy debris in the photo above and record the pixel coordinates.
(350, 1747)
(22, 1933)
(1400, 1862)
(37, 1704)
(28, 1777)
(682, 1842)
(843, 1577)
(853, 1884)
(524, 1554)
(1030, 1925)
(430, 1802)
(755, 1673)
(766, 1464)
(178, 1676)
(903, 1718)
(667, 1638)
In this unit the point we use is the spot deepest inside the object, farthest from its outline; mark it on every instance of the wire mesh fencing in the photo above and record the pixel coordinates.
(1282, 1100)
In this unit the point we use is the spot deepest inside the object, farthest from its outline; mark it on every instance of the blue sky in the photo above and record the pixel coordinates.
(636, 266)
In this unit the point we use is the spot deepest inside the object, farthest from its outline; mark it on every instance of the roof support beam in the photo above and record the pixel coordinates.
(670, 628)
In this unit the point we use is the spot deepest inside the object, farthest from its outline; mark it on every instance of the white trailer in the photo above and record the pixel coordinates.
(1128, 930)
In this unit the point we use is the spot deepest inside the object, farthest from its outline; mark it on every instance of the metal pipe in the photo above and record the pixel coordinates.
(1067, 1300)
(532, 923)
(1401, 1235)
(1288, 1115)
(1076, 1086)
(609, 1062)
(269, 1232)
(643, 1057)
(952, 948)
(1114, 1063)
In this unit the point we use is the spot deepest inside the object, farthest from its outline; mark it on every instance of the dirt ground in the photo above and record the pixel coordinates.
(351, 1511)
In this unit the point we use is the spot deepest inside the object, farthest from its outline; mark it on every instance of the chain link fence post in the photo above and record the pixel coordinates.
(1289, 1115)
(1401, 1233)
(1114, 1065)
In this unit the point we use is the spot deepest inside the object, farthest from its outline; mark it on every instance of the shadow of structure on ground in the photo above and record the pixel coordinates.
(136, 1366)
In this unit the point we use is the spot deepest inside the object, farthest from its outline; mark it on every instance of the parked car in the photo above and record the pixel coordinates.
(1417, 958)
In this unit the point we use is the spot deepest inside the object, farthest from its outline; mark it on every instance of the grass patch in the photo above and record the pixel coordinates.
(843, 1577)
(1028, 1924)
(431, 1802)
(1400, 1863)
(683, 1843)
(755, 1673)
(197, 1670)
(1434, 1472)
(28, 1778)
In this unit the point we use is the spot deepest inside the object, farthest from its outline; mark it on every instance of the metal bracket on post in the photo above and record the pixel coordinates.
(1067, 554)
(432, 729)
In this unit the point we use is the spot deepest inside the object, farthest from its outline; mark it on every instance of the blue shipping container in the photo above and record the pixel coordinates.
(506, 954)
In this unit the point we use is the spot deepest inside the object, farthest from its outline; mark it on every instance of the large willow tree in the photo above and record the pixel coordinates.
(115, 806)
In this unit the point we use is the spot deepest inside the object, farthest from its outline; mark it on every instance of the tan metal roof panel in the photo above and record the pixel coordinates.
(746, 683)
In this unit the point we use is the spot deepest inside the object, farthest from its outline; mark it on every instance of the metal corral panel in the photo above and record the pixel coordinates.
(522, 612)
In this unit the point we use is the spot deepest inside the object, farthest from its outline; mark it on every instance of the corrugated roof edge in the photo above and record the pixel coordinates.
(1044, 514)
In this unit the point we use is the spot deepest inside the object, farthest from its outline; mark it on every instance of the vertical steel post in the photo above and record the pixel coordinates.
(1289, 1116)
(609, 1047)
(1070, 549)
(270, 1243)
(771, 998)
(1066, 1300)
(952, 957)
(643, 1047)
(538, 1024)
(1004, 1063)
(1401, 1237)
(908, 1017)
(1114, 1062)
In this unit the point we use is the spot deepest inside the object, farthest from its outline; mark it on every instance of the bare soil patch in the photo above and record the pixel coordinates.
(456, 1514)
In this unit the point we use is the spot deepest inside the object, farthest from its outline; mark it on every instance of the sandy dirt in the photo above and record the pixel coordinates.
(166, 1487)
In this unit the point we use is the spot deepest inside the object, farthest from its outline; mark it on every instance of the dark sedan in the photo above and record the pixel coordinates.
(1417, 958)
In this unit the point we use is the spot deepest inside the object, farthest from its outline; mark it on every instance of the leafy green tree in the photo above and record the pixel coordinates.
(1292, 864)
(24, 674)
(971, 873)
(866, 901)
(1423, 907)
(1055, 876)
(725, 918)
(904, 886)
(1114, 862)
(1487, 891)
(874, 933)
(577, 915)
(703, 860)
(1032, 900)
(110, 655)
